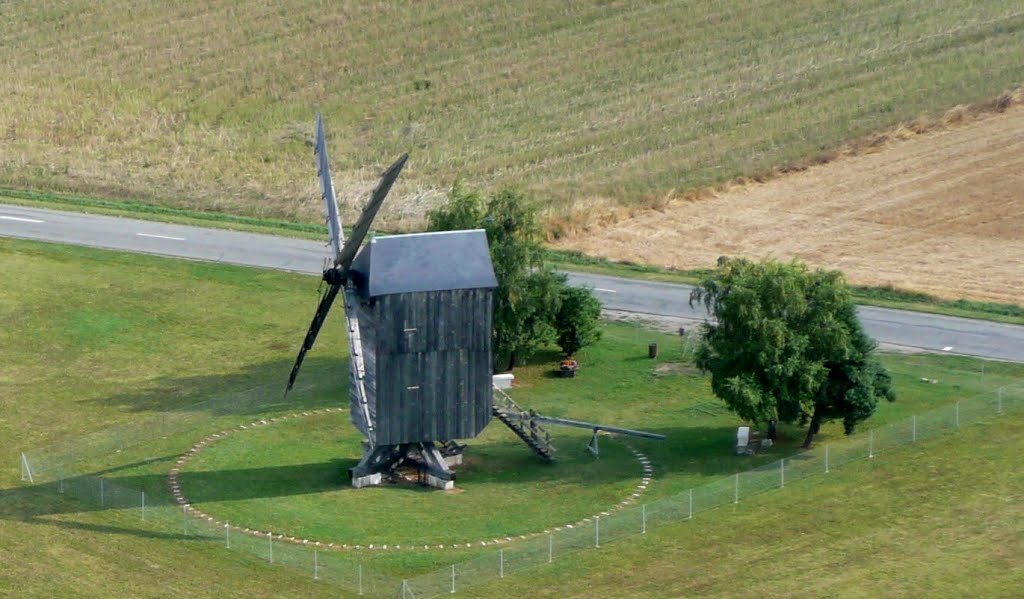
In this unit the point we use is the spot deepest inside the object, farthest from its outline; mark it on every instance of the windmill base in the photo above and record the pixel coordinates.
(379, 463)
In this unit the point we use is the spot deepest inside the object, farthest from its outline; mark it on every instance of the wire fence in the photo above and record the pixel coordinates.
(160, 514)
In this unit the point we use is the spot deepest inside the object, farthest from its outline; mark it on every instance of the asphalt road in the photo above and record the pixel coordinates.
(892, 327)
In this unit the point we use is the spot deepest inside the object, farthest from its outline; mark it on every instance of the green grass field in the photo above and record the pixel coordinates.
(582, 103)
(96, 342)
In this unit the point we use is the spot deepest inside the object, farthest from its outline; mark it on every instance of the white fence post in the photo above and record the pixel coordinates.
(913, 428)
(143, 506)
(501, 563)
(643, 519)
(690, 516)
(826, 458)
(453, 579)
(551, 547)
(736, 489)
(597, 532)
(270, 543)
(227, 535)
(871, 443)
(782, 472)
(957, 414)
(26, 470)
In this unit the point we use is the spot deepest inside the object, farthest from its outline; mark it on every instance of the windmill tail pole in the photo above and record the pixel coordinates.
(596, 427)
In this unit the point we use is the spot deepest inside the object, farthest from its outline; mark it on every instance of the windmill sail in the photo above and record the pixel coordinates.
(327, 191)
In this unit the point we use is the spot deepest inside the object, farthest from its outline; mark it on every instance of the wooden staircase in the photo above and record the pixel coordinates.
(523, 424)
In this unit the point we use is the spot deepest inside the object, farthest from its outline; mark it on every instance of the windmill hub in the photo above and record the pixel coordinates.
(335, 276)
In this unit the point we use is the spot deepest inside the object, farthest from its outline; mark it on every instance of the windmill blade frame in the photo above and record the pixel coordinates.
(327, 190)
(362, 226)
(314, 329)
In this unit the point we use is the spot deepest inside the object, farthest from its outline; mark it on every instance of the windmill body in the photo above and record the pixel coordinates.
(424, 311)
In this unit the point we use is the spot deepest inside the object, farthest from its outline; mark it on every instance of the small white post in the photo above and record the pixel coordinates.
(360, 579)
(957, 411)
(501, 563)
(826, 458)
(643, 519)
(597, 532)
(270, 543)
(227, 535)
(103, 500)
(690, 516)
(143, 506)
(871, 443)
(913, 428)
(736, 489)
(782, 472)
(26, 470)
(316, 565)
(453, 579)
(551, 547)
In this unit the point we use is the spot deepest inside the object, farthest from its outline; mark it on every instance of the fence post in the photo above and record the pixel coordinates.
(501, 563)
(453, 579)
(871, 443)
(643, 519)
(26, 470)
(143, 506)
(184, 520)
(913, 428)
(736, 489)
(957, 414)
(826, 458)
(551, 547)
(270, 542)
(227, 535)
(782, 472)
(597, 532)
(690, 516)
(360, 569)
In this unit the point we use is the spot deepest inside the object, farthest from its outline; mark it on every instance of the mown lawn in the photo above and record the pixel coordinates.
(96, 343)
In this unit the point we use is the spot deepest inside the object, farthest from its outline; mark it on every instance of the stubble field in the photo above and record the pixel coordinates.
(940, 212)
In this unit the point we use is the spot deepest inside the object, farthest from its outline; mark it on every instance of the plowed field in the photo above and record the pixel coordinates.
(941, 212)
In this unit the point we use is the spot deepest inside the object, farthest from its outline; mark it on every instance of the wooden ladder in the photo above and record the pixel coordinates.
(523, 424)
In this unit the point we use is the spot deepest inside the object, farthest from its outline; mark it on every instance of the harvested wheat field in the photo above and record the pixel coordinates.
(941, 212)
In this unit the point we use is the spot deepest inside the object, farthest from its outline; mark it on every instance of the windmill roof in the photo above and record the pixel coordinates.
(424, 262)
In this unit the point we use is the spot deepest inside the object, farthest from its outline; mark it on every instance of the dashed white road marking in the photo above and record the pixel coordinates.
(161, 236)
(21, 220)
(605, 290)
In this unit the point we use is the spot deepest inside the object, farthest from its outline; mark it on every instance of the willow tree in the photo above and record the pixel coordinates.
(786, 345)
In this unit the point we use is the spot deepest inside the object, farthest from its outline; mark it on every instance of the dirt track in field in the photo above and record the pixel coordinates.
(941, 212)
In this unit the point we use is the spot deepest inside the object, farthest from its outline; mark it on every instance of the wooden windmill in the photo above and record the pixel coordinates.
(418, 310)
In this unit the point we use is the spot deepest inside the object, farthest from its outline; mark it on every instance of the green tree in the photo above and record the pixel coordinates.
(576, 319)
(786, 345)
(527, 297)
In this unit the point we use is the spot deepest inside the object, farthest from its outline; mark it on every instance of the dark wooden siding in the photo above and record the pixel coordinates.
(433, 365)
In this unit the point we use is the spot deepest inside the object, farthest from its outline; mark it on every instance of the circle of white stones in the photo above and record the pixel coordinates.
(174, 485)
